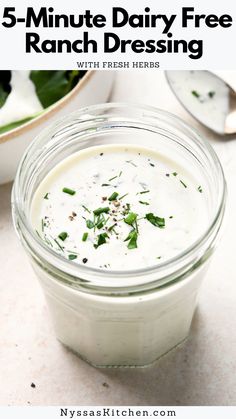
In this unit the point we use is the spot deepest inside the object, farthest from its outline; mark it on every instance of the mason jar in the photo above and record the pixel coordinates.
(120, 318)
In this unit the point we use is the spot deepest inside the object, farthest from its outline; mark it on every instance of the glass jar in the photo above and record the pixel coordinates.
(120, 318)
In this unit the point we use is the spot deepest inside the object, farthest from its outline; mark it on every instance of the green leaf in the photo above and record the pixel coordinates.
(16, 124)
(132, 237)
(89, 224)
(52, 85)
(155, 220)
(101, 239)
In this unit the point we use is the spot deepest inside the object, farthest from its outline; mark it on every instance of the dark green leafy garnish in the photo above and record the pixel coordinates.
(142, 192)
(113, 196)
(144, 202)
(101, 210)
(131, 218)
(89, 224)
(211, 94)
(184, 184)
(132, 237)
(195, 93)
(174, 173)
(101, 239)
(63, 236)
(84, 237)
(72, 257)
(68, 191)
(46, 196)
(199, 189)
(155, 220)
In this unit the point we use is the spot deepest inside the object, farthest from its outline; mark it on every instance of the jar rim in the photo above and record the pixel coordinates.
(76, 270)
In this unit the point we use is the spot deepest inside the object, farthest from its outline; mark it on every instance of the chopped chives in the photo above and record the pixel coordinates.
(211, 94)
(99, 211)
(86, 209)
(112, 178)
(183, 184)
(113, 196)
(68, 191)
(144, 202)
(84, 237)
(106, 184)
(123, 196)
(195, 93)
(63, 236)
(46, 196)
(142, 192)
(131, 218)
(199, 189)
(174, 173)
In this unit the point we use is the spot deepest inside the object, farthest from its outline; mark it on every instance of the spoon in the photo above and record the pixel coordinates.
(207, 97)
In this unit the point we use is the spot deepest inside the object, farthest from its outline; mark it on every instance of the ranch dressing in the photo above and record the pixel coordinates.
(22, 101)
(204, 95)
(119, 207)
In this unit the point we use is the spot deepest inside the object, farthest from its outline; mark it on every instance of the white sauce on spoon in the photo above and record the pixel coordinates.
(139, 182)
(204, 95)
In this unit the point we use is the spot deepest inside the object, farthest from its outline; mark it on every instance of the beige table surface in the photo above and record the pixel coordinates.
(201, 372)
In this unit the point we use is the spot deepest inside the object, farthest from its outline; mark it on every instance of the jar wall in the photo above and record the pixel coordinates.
(132, 330)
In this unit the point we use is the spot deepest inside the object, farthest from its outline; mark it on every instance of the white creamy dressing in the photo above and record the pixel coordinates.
(151, 183)
(22, 101)
(204, 95)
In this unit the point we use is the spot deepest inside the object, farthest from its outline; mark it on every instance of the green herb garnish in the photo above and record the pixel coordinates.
(68, 191)
(123, 196)
(174, 173)
(211, 94)
(84, 237)
(195, 93)
(155, 220)
(142, 192)
(144, 202)
(112, 178)
(101, 210)
(63, 236)
(46, 196)
(184, 184)
(131, 218)
(89, 224)
(106, 184)
(132, 237)
(86, 209)
(101, 239)
(113, 196)
(72, 257)
(199, 189)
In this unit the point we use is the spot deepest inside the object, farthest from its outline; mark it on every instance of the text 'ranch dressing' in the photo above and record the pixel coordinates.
(119, 207)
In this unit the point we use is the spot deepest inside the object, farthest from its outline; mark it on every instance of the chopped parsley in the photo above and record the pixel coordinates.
(46, 196)
(68, 191)
(101, 239)
(72, 257)
(132, 238)
(155, 220)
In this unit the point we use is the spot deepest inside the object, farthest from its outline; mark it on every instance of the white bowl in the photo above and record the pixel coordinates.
(93, 88)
